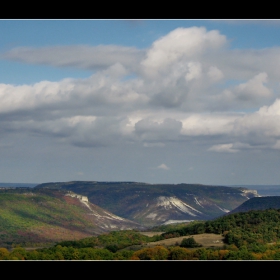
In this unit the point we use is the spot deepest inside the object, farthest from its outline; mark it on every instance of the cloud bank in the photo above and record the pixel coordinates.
(188, 86)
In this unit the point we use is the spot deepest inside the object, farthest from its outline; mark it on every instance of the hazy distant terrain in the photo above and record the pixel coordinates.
(263, 190)
(17, 185)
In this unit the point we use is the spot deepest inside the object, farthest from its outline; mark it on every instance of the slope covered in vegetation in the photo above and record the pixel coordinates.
(258, 203)
(253, 235)
(255, 226)
(34, 217)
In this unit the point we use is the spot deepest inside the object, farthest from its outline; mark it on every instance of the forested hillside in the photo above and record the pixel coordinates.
(33, 217)
(253, 235)
(261, 226)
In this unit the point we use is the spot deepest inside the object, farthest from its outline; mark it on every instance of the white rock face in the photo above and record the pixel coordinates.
(250, 193)
(176, 221)
(174, 202)
(223, 209)
(80, 197)
(152, 216)
(103, 219)
(197, 202)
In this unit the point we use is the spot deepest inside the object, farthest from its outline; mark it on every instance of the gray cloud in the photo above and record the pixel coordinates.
(84, 57)
(149, 130)
(186, 86)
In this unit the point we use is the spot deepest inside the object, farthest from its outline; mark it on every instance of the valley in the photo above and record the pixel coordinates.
(48, 214)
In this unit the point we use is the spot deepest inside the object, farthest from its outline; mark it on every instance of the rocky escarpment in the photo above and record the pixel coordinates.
(249, 193)
(155, 204)
(103, 220)
(166, 210)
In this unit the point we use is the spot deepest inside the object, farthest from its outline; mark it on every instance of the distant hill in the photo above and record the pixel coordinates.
(258, 203)
(156, 204)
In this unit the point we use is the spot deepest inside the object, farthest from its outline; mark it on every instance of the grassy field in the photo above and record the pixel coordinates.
(205, 239)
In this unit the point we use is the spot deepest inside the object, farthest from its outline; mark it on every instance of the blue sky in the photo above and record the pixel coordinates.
(155, 101)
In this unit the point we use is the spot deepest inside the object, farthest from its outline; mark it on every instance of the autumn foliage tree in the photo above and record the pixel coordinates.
(4, 253)
(155, 253)
(179, 253)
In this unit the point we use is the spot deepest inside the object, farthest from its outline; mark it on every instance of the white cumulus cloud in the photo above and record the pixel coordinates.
(227, 148)
(163, 166)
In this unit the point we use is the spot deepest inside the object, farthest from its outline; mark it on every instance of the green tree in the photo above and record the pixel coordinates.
(189, 243)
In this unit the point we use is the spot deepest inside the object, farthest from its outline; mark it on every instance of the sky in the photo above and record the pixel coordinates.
(154, 101)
